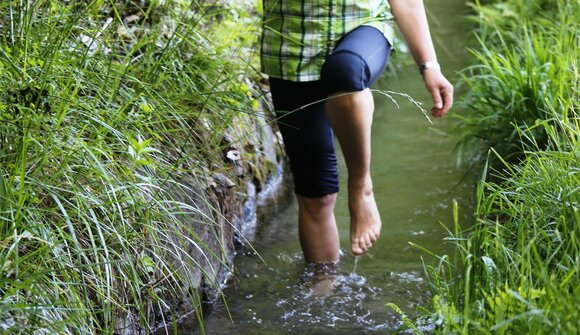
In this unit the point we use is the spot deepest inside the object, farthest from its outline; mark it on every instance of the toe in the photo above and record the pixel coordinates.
(373, 237)
(357, 247)
(368, 242)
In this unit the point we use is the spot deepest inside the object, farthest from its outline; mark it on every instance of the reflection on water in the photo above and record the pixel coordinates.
(416, 181)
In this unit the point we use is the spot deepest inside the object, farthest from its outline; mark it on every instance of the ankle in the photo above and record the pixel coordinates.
(358, 188)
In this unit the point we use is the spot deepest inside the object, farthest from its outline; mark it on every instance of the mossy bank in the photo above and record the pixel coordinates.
(133, 141)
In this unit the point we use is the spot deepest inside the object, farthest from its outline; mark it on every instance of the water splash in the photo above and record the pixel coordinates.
(327, 298)
(356, 259)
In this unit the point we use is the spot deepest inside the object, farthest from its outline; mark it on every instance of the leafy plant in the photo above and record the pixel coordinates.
(516, 271)
(111, 115)
(521, 72)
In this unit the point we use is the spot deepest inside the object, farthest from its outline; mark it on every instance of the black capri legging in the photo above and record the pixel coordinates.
(354, 65)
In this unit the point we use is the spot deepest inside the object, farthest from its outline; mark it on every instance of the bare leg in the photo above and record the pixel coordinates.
(317, 228)
(350, 116)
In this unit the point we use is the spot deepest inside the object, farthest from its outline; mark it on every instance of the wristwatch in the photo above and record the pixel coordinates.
(428, 65)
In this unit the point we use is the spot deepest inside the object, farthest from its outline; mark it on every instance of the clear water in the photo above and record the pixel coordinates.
(416, 181)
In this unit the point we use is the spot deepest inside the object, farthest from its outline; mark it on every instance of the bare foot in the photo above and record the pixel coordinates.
(365, 221)
(323, 286)
(321, 278)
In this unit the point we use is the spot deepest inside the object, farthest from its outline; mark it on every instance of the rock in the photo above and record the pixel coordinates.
(221, 181)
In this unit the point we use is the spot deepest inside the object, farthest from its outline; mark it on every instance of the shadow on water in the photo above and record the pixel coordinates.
(416, 181)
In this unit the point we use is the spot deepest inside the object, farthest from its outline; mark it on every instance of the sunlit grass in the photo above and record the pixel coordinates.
(521, 70)
(517, 270)
(110, 118)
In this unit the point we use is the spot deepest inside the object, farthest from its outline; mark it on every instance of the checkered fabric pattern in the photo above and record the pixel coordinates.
(298, 35)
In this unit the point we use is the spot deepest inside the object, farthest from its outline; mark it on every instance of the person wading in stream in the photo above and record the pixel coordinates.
(321, 57)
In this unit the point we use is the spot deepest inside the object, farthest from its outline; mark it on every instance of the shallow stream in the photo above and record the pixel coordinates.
(416, 180)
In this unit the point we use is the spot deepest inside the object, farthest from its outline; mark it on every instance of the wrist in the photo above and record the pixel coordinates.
(428, 65)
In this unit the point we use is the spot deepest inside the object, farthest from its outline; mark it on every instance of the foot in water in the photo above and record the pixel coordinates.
(365, 221)
(321, 279)
(323, 286)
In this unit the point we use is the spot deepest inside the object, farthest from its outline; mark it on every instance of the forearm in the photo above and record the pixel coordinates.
(412, 22)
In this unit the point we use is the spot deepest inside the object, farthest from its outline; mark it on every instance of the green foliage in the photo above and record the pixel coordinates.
(507, 15)
(524, 68)
(520, 266)
(407, 323)
(517, 270)
(111, 115)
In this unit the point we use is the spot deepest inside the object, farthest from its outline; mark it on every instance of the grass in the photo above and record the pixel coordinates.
(517, 270)
(111, 115)
(522, 67)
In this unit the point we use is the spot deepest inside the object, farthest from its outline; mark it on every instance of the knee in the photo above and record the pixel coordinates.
(319, 205)
(344, 71)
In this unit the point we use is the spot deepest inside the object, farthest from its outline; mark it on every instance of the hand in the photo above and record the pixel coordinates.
(441, 91)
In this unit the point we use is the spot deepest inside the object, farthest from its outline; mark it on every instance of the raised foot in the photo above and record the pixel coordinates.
(365, 222)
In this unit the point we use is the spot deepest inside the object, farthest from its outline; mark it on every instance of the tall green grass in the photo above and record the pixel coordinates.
(517, 270)
(523, 64)
(112, 122)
